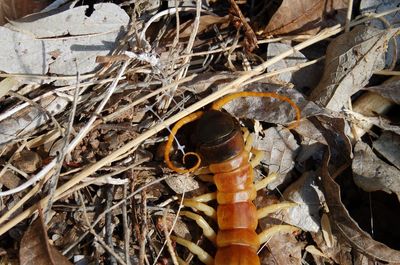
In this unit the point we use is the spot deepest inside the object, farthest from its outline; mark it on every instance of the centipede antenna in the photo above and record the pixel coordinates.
(217, 105)
(192, 117)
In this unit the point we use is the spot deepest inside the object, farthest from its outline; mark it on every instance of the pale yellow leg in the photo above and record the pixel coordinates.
(206, 197)
(207, 230)
(195, 249)
(207, 210)
(263, 212)
(248, 139)
(258, 155)
(265, 181)
(245, 133)
(265, 235)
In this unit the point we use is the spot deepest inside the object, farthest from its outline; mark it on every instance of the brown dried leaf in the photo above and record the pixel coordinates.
(280, 149)
(272, 110)
(372, 174)
(305, 77)
(283, 249)
(389, 91)
(351, 59)
(303, 192)
(10, 180)
(347, 227)
(306, 16)
(13, 9)
(186, 28)
(182, 183)
(388, 145)
(27, 161)
(339, 252)
(35, 248)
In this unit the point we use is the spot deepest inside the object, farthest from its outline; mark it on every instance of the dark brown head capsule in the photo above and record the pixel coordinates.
(218, 137)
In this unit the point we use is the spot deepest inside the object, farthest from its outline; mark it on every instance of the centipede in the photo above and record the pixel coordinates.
(224, 153)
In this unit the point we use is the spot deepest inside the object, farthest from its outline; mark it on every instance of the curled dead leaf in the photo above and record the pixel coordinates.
(303, 192)
(11, 9)
(306, 16)
(351, 59)
(372, 174)
(280, 149)
(35, 247)
(347, 227)
(388, 145)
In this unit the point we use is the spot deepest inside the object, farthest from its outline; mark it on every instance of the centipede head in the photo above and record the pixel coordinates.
(218, 136)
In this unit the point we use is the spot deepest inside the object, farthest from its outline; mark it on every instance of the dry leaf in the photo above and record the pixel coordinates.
(306, 16)
(392, 19)
(13, 9)
(186, 28)
(389, 91)
(339, 253)
(207, 80)
(315, 251)
(35, 247)
(351, 59)
(388, 145)
(106, 17)
(271, 110)
(62, 55)
(182, 183)
(326, 230)
(10, 180)
(305, 77)
(347, 227)
(283, 248)
(27, 161)
(306, 214)
(280, 148)
(372, 174)
(30, 118)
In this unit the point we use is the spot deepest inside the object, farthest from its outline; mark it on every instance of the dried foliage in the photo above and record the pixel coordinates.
(306, 16)
(89, 91)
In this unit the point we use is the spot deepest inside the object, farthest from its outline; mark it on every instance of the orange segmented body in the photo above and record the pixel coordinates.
(221, 147)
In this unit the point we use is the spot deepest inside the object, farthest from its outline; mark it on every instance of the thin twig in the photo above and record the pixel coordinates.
(82, 133)
(98, 238)
(168, 239)
(116, 205)
(348, 17)
(125, 225)
(144, 229)
(152, 131)
(54, 179)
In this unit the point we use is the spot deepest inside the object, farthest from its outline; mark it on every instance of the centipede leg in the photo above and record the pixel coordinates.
(265, 235)
(207, 210)
(207, 230)
(206, 197)
(195, 249)
(265, 181)
(263, 212)
(258, 155)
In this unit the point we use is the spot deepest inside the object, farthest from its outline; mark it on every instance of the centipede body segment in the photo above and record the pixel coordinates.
(220, 146)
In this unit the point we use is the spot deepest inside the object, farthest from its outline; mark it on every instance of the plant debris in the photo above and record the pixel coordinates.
(90, 90)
